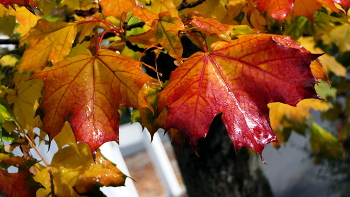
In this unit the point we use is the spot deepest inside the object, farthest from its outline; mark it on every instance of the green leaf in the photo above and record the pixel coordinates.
(324, 144)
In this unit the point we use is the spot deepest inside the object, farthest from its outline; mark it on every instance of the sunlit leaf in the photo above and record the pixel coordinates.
(48, 41)
(278, 9)
(165, 31)
(24, 98)
(25, 18)
(144, 115)
(66, 137)
(328, 62)
(212, 26)
(87, 91)
(339, 36)
(116, 7)
(74, 172)
(283, 116)
(159, 6)
(144, 14)
(238, 79)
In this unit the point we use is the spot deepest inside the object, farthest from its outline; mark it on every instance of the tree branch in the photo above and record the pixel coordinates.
(8, 41)
(135, 48)
(140, 24)
(185, 5)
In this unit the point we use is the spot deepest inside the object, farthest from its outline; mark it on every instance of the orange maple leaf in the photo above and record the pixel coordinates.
(238, 79)
(87, 91)
(116, 7)
(165, 31)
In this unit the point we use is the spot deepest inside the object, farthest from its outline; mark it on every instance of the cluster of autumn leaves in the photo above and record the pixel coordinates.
(239, 74)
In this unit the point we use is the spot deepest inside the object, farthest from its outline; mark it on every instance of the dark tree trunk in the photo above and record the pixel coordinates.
(219, 171)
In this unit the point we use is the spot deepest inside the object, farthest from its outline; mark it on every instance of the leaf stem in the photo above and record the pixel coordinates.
(102, 35)
(200, 42)
(150, 67)
(37, 151)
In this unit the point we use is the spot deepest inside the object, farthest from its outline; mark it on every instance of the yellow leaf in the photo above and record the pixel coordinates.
(159, 6)
(25, 97)
(25, 19)
(48, 41)
(211, 9)
(294, 115)
(257, 20)
(9, 126)
(325, 144)
(325, 91)
(70, 158)
(60, 179)
(66, 137)
(79, 49)
(3, 11)
(8, 60)
(328, 62)
(340, 36)
(234, 8)
(72, 167)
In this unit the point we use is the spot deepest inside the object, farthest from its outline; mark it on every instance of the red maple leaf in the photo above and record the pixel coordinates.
(238, 79)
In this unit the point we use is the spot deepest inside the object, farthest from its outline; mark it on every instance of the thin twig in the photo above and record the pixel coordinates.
(185, 5)
(9, 41)
(37, 151)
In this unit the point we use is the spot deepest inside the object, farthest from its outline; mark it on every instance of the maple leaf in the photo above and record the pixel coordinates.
(164, 31)
(73, 172)
(144, 14)
(159, 6)
(284, 116)
(26, 19)
(16, 184)
(339, 36)
(280, 9)
(48, 41)
(145, 116)
(87, 91)
(24, 98)
(211, 8)
(329, 62)
(116, 7)
(238, 79)
(212, 26)
(25, 3)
